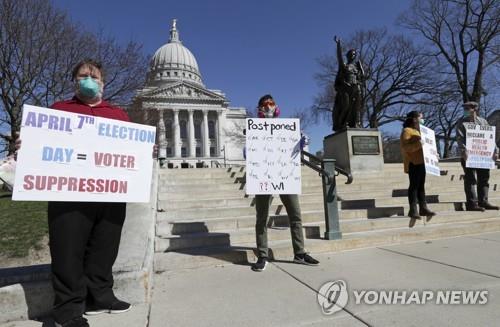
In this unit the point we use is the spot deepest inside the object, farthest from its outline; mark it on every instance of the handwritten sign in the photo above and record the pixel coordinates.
(273, 156)
(429, 148)
(73, 157)
(480, 146)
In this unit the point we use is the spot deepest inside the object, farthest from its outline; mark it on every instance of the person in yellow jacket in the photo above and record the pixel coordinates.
(414, 166)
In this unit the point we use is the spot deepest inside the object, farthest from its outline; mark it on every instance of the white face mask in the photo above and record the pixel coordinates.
(269, 114)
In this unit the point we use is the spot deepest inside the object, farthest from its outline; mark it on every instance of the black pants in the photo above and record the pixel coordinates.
(84, 240)
(416, 190)
(471, 183)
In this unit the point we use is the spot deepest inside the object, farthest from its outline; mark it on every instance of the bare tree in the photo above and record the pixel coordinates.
(465, 34)
(396, 76)
(39, 46)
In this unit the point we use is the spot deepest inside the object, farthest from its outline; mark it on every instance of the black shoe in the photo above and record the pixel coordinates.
(473, 207)
(75, 322)
(260, 265)
(413, 212)
(426, 212)
(116, 307)
(488, 206)
(305, 259)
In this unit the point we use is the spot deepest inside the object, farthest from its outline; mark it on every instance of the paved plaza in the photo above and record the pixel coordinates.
(285, 294)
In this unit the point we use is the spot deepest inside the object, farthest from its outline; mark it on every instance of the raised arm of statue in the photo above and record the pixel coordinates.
(339, 51)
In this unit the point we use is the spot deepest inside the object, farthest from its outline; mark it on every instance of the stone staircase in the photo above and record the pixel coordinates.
(205, 217)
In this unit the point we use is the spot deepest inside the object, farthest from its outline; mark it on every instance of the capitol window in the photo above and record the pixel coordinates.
(211, 129)
(197, 129)
(183, 126)
(168, 129)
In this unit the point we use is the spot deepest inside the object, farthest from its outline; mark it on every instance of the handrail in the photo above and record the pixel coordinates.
(216, 163)
(318, 167)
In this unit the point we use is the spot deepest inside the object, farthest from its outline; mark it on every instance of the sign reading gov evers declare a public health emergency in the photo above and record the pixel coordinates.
(72, 157)
(480, 146)
(273, 156)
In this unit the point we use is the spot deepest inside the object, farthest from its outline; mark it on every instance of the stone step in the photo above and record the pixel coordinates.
(244, 253)
(383, 197)
(228, 172)
(306, 180)
(166, 227)
(238, 198)
(306, 187)
(451, 201)
(364, 191)
(311, 230)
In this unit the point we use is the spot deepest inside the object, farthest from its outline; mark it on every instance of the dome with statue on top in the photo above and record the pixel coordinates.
(174, 62)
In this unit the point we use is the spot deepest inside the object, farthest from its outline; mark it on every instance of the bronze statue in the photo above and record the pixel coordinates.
(349, 87)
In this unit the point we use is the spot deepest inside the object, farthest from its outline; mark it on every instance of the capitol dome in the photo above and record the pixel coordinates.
(174, 62)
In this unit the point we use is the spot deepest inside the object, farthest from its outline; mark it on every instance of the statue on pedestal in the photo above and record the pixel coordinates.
(349, 85)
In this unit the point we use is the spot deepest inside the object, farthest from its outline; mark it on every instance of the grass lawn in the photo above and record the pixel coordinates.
(22, 226)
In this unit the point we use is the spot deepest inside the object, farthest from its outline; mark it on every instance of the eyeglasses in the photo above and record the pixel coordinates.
(268, 103)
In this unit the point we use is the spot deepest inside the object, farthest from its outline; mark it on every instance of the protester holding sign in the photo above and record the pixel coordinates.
(475, 201)
(268, 109)
(84, 236)
(414, 164)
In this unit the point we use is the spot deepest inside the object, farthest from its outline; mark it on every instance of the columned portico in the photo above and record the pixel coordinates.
(177, 134)
(206, 147)
(192, 147)
(219, 140)
(162, 140)
(192, 119)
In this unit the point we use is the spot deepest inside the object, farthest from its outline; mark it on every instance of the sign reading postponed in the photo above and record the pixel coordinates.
(273, 156)
(73, 157)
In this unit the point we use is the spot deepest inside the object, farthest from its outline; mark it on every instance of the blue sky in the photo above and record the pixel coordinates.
(245, 48)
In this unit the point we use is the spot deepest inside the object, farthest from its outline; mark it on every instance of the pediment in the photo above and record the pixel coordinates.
(182, 90)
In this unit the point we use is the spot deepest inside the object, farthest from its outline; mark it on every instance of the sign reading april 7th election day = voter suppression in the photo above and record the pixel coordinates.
(480, 146)
(273, 156)
(72, 157)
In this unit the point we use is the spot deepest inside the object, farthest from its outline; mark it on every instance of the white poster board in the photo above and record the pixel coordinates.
(273, 156)
(429, 148)
(480, 146)
(72, 157)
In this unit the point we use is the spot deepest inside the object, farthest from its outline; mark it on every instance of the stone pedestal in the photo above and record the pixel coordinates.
(358, 150)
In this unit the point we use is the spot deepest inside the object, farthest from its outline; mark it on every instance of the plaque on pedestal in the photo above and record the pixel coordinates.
(358, 150)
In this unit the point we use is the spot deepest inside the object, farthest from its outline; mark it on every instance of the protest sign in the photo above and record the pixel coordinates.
(429, 148)
(273, 156)
(480, 146)
(72, 157)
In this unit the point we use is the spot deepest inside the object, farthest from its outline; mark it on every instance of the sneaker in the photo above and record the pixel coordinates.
(488, 206)
(75, 322)
(117, 307)
(260, 265)
(305, 259)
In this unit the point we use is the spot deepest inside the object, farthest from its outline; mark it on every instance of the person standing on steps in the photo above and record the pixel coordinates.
(475, 201)
(267, 109)
(84, 237)
(414, 165)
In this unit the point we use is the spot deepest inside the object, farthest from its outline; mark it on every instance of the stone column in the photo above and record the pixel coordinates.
(192, 147)
(177, 135)
(206, 148)
(162, 141)
(221, 117)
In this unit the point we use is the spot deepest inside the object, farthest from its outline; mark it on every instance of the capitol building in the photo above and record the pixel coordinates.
(195, 126)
